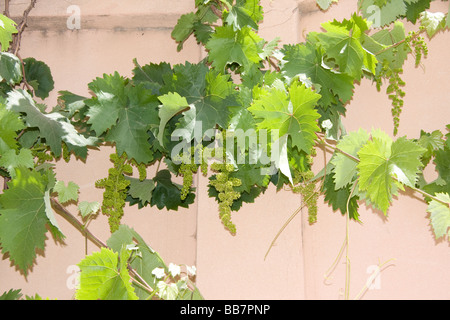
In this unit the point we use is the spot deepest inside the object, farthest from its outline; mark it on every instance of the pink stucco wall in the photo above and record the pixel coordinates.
(112, 34)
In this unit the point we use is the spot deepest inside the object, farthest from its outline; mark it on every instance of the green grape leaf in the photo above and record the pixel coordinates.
(66, 193)
(38, 74)
(72, 103)
(168, 194)
(172, 104)
(10, 68)
(227, 46)
(53, 127)
(7, 29)
(211, 94)
(245, 13)
(130, 134)
(415, 8)
(152, 75)
(250, 176)
(145, 261)
(11, 295)
(338, 198)
(109, 99)
(382, 14)
(431, 142)
(23, 217)
(293, 114)
(88, 208)
(440, 215)
(141, 190)
(12, 160)
(325, 4)
(433, 22)
(10, 123)
(184, 28)
(104, 276)
(442, 163)
(342, 44)
(380, 161)
(382, 41)
(345, 168)
(306, 59)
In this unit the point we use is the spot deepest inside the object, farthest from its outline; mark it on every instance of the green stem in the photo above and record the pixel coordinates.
(394, 45)
(82, 228)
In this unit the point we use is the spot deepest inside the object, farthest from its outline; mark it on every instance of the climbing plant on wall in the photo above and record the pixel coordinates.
(250, 115)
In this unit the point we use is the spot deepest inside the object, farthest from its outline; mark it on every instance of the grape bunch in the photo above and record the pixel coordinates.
(303, 184)
(418, 43)
(115, 193)
(224, 184)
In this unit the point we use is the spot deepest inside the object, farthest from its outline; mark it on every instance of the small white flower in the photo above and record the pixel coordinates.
(159, 273)
(167, 291)
(191, 270)
(174, 269)
(327, 124)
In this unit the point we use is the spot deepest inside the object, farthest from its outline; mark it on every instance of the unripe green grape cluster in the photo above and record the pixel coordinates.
(396, 94)
(394, 90)
(418, 43)
(307, 189)
(115, 193)
(187, 170)
(224, 184)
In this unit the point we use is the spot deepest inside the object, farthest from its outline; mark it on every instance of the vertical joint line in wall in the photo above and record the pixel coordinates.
(303, 251)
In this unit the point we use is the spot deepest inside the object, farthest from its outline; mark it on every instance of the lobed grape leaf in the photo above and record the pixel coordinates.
(293, 114)
(343, 47)
(306, 58)
(23, 217)
(10, 68)
(109, 98)
(440, 215)
(433, 22)
(145, 261)
(244, 13)
(104, 276)
(172, 103)
(382, 14)
(152, 76)
(167, 194)
(88, 208)
(141, 190)
(338, 198)
(66, 193)
(39, 76)
(10, 123)
(208, 91)
(325, 4)
(380, 161)
(130, 134)
(228, 46)
(345, 169)
(414, 9)
(7, 29)
(11, 160)
(53, 127)
(382, 42)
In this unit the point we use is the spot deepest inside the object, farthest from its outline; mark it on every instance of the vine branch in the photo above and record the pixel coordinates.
(63, 212)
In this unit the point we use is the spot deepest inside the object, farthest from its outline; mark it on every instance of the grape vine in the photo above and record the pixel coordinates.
(115, 186)
(224, 184)
(277, 103)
